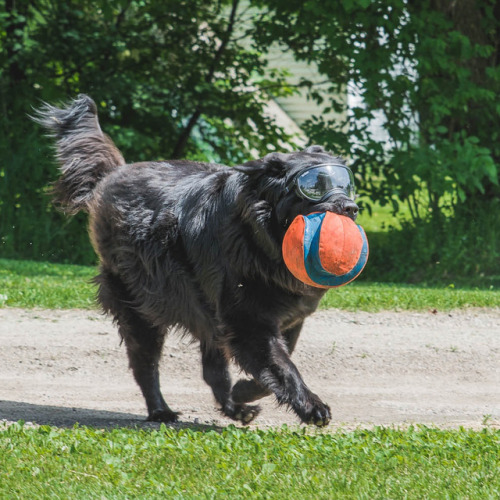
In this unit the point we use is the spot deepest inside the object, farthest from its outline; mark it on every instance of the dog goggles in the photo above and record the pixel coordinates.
(318, 181)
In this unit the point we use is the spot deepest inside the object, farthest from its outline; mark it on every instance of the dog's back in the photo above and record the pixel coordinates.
(158, 228)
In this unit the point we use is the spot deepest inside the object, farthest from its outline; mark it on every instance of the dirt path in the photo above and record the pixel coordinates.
(62, 367)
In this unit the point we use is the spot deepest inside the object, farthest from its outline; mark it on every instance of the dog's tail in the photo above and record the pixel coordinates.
(85, 153)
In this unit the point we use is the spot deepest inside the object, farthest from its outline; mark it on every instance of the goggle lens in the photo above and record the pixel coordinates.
(316, 182)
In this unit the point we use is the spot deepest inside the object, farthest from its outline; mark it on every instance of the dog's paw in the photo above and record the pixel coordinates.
(316, 413)
(163, 416)
(241, 412)
(247, 413)
(246, 391)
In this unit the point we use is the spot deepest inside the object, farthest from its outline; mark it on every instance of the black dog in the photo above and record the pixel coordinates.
(196, 246)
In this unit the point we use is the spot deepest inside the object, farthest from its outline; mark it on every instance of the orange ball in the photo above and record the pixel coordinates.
(325, 250)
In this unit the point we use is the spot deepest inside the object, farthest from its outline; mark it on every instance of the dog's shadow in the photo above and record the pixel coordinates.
(66, 417)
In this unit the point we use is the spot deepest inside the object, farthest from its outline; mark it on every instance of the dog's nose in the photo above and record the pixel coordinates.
(350, 209)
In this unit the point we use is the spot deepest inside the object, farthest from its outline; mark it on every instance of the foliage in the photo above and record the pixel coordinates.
(171, 79)
(62, 286)
(459, 250)
(183, 463)
(29, 226)
(428, 71)
(190, 79)
(463, 250)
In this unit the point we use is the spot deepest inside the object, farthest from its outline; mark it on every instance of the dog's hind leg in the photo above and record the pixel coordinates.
(144, 344)
(216, 375)
(245, 390)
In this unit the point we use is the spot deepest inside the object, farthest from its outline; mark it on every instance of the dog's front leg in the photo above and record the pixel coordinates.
(260, 351)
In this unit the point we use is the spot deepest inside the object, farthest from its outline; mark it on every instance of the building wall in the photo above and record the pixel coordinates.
(298, 107)
(291, 112)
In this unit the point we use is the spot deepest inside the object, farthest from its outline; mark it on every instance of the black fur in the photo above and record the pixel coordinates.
(196, 246)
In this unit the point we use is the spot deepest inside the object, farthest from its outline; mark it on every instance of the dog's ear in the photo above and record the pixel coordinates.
(315, 149)
(273, 164)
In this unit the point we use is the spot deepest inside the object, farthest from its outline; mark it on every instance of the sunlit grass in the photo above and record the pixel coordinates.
(364, 296)
(41, 284)
(59, 286)
(417, 463)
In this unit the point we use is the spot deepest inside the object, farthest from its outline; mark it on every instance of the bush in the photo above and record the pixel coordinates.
(30, 227)
(459, 250)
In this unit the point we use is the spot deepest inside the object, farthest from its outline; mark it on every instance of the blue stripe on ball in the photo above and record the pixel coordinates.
(312, 228)
(313, 265)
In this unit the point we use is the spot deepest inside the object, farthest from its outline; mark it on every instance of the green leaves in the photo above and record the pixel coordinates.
(173, 78)
(155, 64)
(426, 75)
(420, 124)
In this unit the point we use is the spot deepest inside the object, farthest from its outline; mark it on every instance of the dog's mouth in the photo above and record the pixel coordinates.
(337, 204)
(340, 205)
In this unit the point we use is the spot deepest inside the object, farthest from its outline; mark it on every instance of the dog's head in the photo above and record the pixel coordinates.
(277, 179)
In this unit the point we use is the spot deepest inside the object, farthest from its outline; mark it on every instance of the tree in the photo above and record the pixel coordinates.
(430, 69)
(189, 78)
(172, 79)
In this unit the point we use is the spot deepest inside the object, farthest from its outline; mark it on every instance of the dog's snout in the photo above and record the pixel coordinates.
(350, 209)
(340, 205)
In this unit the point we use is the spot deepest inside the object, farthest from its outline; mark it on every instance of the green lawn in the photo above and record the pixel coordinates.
(381, 463)
(364, 296)
(40, 284)
(56, 286)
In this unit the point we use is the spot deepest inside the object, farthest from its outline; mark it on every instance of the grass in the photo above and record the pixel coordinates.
(363, 296)
(420, 462)
(40, 284)
(58, 286)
